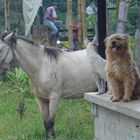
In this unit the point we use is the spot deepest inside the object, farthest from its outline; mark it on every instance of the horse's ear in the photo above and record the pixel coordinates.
(4, 35)
(10, 38)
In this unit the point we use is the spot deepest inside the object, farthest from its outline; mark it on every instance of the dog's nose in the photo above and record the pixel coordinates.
(113, 42)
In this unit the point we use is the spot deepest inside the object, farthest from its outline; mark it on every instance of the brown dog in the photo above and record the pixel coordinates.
(122, 73)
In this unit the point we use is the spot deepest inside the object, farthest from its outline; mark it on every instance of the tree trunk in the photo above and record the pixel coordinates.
(84, 23)
(137, 36)
(7, 14)
(79, 23)
(122, 18)
(117, 7)
(95, 17)
(69, 17)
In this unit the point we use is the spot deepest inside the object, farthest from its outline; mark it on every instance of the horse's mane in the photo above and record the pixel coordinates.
(27, 40)
(51, 52)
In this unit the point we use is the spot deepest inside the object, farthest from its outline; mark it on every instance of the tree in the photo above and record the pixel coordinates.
(137, 36)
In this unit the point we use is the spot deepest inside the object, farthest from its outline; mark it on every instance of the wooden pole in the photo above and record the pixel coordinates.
(122, 17)
(84, 23)
(69, 21)
(101, 9)
(79, 23)
(96, 18)
(117, 7)
(137, 36)
(7, 14)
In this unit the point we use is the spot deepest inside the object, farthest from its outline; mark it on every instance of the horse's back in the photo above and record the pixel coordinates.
(77, 73)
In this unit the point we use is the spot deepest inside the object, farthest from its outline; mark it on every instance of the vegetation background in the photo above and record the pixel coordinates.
(17, 22)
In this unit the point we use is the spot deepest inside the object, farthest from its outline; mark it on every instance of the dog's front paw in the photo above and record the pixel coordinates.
(115, 99)
(126, 99)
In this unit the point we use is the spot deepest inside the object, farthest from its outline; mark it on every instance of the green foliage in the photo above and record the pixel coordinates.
(18, 77)
(90, 21)
(132, 44)
(17, 22)
(132, 18)
(19, 80)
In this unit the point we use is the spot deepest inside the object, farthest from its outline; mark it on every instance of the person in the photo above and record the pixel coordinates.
(51, 22)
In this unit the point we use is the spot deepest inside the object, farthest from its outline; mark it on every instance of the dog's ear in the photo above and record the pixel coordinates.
(125, 36)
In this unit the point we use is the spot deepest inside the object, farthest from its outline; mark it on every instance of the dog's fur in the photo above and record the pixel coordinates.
(98, 64)
(122, 73)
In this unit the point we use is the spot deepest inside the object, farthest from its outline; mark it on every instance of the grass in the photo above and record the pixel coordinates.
(73, 121)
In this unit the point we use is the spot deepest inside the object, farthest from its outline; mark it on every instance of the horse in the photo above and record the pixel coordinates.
(53, 74)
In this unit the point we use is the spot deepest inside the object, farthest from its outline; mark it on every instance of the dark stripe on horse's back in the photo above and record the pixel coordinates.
(52, 52)
(27, 40)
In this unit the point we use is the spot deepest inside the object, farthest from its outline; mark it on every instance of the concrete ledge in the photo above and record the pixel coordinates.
(131, 109)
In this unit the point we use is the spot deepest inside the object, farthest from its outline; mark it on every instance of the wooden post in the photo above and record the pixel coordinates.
(96, 17)
(137, 36)
(79, 23)
(7, 14)
(101, 9)
(83, 12)
(69, 20)
(117, 7)
(122, 18)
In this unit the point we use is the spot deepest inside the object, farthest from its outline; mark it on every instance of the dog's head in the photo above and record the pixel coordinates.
(117, 43)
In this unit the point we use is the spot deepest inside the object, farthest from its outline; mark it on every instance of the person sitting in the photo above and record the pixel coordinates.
(52, 23)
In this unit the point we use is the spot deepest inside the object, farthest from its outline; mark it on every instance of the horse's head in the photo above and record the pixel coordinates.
(6, 54)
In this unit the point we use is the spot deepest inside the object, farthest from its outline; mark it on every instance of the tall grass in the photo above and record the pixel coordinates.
(73, 121)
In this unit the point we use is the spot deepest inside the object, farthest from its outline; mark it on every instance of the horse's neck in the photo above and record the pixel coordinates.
(28, 57)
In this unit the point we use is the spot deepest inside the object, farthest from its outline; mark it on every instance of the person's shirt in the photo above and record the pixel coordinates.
(50, 13)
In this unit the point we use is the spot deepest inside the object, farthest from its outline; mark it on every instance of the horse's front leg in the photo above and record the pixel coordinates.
(53, 106)
(49, 109)
(44, 108)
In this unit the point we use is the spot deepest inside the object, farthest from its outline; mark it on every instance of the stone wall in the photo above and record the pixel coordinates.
(115, 121)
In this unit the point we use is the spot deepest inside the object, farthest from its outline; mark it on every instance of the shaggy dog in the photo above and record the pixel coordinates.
(98, 64)
(122, 73)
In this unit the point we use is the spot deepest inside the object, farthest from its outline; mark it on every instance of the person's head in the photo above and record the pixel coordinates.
(55, 5)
